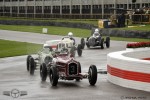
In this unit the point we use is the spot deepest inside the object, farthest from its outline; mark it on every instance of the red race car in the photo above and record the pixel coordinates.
(65, 67)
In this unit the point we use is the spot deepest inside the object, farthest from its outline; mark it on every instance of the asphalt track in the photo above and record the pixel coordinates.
(13, 75)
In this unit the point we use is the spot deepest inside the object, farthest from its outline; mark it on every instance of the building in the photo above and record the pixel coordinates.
(66, 8)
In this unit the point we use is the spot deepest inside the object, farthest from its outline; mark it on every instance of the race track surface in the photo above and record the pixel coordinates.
(13, 75)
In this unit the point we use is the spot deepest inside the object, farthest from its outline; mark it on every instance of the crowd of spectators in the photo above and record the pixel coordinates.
(141, 15)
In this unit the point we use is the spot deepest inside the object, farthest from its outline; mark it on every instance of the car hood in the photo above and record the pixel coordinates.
(65, 59)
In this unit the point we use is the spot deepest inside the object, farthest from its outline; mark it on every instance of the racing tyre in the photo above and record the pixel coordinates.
(53, 75)
(107, 42)
(72, 51)
(79, 50)
(31, 66)
(82, 43)
(87, 44)
(47, 60)
(79, 69)
(43, 72)
(102, 43)
(87, 38)
(92, 75)
(28, 58)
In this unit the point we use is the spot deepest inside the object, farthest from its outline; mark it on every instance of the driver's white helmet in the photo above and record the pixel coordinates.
(70, 34)
(45, 46)
(96, 30)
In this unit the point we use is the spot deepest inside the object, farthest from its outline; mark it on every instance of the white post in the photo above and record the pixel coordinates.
(42, 7)
(102, 9)
(26, 7)
(3, 7)
(34, 8)
(115, 6)
(80, 6)
(18, 3)
(127, 4)
(51, 6)
(60, 7)
(140, 3)
(10, 7)
(70, 6)
(91, 7)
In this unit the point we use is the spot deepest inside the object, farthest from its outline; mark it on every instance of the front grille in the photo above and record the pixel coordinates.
(73, 68)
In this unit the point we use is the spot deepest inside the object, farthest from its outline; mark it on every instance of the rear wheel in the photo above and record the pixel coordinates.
(28, 58)
(92, 75)
(79, 50)
(43, 72)
(102, 43)
(72, 51)
(53, 75)
(82, 43)
(107, 42)
(47, 59)
(31, 66)
(87, 44)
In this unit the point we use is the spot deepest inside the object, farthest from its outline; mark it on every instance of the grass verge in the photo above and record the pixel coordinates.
(13, 48)
(53, 30)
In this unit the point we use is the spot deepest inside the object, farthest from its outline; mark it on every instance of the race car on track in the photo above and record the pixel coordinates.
(65, 67)
(43, 56)
(50, 49)
(71, 46)
(96, 40)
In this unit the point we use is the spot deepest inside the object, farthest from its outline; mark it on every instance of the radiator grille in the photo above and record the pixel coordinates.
(72, 69)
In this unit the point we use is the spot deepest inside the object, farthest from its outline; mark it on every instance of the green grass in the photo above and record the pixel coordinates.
(12, 48)
(53, 30)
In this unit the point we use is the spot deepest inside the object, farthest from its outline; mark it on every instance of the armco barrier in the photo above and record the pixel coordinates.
(130, 68)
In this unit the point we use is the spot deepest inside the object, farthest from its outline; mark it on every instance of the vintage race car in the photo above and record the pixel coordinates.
(66, 42)
(65, 67)
(96, 40)
(50, 49)
(43, 56)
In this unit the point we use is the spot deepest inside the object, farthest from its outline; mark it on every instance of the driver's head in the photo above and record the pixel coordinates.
(96, 30)
(70, 34)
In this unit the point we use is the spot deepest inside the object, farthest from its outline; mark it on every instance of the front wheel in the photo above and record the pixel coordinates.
(53, 75)
(31, 66)
(43, 72)
(107, 42)
(79, 50)
(72, 51)
(82, 43)
(102, 43)
(92, 74)
(28, 61)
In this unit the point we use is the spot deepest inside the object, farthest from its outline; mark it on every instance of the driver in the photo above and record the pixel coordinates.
(70, 35)
(96, 33)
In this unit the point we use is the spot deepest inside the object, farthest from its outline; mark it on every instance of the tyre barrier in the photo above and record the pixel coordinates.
(130, 68)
